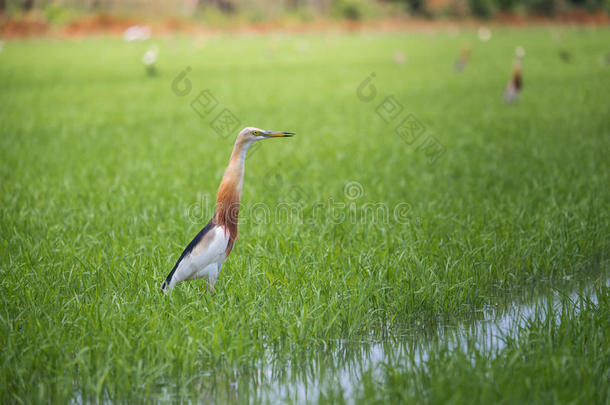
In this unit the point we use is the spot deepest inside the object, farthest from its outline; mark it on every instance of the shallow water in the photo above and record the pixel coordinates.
(486, 331)
(337, 374)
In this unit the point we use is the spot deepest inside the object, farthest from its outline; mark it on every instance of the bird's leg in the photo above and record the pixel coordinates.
(212, 279)
(211, 282)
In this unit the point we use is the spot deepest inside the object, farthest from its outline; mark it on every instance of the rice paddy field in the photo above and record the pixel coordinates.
(418, 240)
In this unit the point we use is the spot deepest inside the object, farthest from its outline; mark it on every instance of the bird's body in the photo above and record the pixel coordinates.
(513, 88)
(202, 258)
(205, 255)
(461, 63)
(515, 84)
(149, 59)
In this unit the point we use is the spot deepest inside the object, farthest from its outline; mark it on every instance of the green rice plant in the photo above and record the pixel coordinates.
(107, 174)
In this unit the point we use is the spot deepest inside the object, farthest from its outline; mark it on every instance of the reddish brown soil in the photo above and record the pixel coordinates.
(576, 17)
(25, 27)
(97, 24)
(32, 26)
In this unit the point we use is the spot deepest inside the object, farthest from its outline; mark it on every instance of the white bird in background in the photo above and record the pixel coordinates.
(399, 57)
(207, 252)
(484, 34)
(149, 59)
(513, 88)
(137, 33)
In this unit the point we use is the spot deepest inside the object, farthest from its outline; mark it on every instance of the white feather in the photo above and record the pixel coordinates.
(203, 261)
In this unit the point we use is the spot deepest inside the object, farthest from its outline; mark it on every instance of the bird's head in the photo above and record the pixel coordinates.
(519, 53)
(250, 135)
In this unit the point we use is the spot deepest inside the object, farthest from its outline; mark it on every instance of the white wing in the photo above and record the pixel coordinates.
(210, 250)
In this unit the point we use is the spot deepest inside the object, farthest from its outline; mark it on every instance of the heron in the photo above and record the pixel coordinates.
(209, 249)
(513, 88)
(149, 59)
(461, 63)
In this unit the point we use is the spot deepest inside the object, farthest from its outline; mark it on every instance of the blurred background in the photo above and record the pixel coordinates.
(23, 17)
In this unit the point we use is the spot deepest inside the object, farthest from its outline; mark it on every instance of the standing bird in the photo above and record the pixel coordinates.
(149, 59)
(513, 88)
(461, 63)
(206, 253)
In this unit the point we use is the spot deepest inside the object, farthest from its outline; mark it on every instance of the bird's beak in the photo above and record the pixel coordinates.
(277, 134)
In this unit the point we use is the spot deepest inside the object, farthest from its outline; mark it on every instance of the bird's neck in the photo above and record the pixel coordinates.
(517, 66)
(229, 192)
(516, 79)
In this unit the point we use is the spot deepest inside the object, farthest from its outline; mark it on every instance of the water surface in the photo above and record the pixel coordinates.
(336, 374)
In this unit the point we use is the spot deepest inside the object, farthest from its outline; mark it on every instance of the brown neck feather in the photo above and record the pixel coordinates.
(517, 78)
(229, 194)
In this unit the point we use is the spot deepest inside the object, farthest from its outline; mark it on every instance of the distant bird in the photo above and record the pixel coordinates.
(207, 252)
(149, 59)
(515, 84)
(461, 63)
(484, 34)
(137, 33)
(399, 57)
